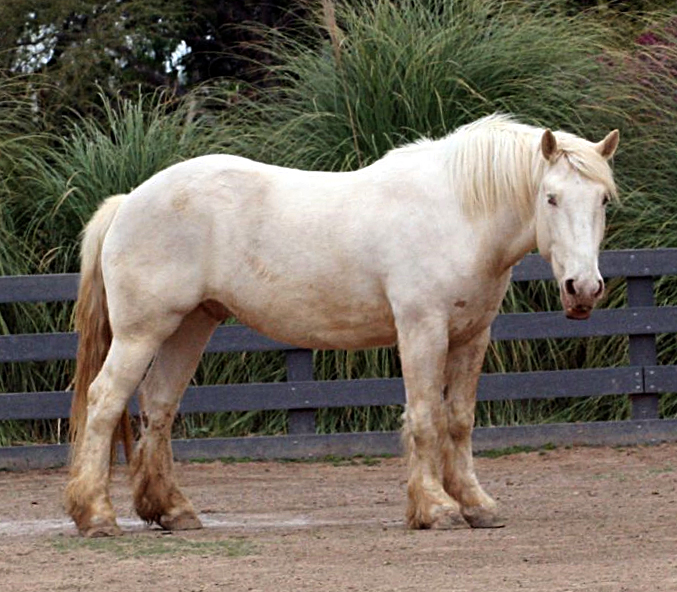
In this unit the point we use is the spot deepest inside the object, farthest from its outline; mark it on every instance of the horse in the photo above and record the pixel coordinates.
(415, 249)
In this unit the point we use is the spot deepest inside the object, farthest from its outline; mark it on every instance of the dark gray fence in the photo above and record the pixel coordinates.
(644, 380)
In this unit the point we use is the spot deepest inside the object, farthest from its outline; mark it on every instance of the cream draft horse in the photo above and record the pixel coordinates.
(415, 249)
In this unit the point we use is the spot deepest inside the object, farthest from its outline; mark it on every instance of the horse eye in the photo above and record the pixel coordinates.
(605, 200)
(552, 199)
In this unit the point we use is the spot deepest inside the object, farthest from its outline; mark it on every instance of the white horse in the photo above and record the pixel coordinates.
(415, 249)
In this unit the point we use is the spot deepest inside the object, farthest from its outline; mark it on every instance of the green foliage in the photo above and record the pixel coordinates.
(385, 73)
(511, 450)
(363, 77)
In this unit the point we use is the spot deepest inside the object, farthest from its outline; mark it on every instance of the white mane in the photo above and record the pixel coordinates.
(496, 158)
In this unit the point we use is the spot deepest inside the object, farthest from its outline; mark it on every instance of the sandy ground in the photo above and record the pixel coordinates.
(589, 519)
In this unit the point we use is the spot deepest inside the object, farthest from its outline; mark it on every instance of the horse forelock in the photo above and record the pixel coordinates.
(583, 158)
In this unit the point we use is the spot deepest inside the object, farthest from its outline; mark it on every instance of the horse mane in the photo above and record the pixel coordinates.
(497, 158)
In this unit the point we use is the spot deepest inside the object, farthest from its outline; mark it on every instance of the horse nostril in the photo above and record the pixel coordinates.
(569, 287)
(600, 289)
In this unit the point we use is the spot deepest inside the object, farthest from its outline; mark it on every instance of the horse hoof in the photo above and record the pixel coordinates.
(184, 521)
(441, 517)
(101, 531)
(482, 518)
(450, 520)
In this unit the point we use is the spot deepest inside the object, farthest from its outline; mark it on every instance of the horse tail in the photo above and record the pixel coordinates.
(93, 325)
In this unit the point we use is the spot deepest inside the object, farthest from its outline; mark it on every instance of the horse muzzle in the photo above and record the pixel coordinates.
(579, 297)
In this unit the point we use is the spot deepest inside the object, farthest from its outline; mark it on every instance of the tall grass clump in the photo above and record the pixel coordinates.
(59, 186)
(638, 88)
(381, 73)
(20, 133)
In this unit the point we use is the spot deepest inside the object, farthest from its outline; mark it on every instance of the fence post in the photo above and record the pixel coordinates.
(642, 347)
(300, 367)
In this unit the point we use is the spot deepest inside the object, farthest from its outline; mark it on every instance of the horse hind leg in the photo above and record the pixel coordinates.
(87, 494)
(157, 497)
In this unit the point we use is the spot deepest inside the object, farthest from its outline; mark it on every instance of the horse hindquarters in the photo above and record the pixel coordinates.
(111, 362)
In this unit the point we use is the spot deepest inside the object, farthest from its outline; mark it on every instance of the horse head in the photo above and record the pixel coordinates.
(570, 215)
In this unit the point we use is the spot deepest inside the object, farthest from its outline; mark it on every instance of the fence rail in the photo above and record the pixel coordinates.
(643, 379)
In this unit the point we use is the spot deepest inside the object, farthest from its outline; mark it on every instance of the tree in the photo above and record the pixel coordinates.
(83, 47)
(223, 39)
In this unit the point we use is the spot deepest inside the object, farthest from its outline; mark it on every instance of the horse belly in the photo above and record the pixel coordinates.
(317, 323)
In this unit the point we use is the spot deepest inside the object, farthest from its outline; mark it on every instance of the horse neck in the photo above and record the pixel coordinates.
(523, 241)
(508, 228)
(508, 236)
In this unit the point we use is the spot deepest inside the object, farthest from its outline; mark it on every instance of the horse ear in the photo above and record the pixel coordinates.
(608, 145)
(548, 144)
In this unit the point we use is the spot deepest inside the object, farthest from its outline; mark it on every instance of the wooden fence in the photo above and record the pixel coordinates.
(643, 379)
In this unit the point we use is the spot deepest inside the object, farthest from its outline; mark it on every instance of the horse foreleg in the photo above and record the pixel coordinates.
(464, 364)
(87, 496)
(157, 497)
(423, 349)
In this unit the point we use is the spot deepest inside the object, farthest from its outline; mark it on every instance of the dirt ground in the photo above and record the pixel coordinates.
(589, 519)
